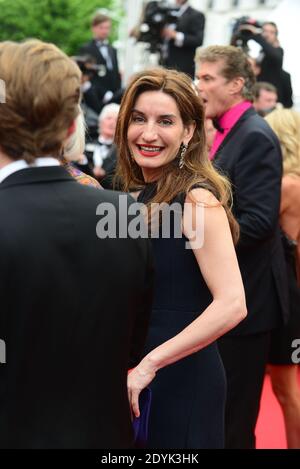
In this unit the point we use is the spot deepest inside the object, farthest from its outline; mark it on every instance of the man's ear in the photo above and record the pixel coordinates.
(237, 85)
(71, 129)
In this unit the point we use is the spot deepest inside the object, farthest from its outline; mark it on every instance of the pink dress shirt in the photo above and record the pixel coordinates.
(227, 121)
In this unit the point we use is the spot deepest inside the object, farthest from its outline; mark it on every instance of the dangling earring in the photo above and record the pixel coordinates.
(183, 149)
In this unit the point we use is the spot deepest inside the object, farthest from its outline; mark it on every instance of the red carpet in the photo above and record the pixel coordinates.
(270, 432)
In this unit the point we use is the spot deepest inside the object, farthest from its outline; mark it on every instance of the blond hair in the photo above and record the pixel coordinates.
(286, 124)
(42, 95)
(74, 146)
(197, 168)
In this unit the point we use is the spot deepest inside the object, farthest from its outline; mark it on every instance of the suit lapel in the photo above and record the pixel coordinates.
(112, 55)
(245, 116)
(184, 18)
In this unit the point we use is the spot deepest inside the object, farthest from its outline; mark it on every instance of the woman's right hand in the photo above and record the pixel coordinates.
(138, 378)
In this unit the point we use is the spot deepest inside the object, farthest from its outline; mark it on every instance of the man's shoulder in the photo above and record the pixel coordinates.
(253, 135)
(256, 120)
(261, 126)
(196, 13)
(87, 45)
(120, 200)
(252, 123)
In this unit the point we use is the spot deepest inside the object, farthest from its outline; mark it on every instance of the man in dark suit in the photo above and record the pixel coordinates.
(74, 301)
(105, 86)
(248, 152)
(183, 38)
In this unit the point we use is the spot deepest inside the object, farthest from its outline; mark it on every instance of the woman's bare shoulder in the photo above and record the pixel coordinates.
(204, 196)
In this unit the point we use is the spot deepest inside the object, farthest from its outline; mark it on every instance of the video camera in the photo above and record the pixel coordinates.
(155, 17)
(240, 34)
(88, 66)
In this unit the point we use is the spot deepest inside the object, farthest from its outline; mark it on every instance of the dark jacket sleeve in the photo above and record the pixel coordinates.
(286, 90)
(257, 185)
(274, 54)
(193, 37)
(116, 66)
(5, 274)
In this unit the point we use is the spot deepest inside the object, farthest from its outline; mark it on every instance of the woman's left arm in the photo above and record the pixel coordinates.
(204, 219)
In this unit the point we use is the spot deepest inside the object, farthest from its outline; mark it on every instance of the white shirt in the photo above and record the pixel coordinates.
(103, 48)
(178, 41)
(183, 8)
(17, 165)
(101, 151)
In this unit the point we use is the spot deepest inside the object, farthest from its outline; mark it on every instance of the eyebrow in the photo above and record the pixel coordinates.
(162, 116)
(204, 76)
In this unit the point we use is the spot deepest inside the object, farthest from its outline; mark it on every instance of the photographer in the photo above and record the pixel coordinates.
(271, 56)
(183, 38)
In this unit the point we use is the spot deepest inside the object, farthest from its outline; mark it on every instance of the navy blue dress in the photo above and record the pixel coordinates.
(188, 397)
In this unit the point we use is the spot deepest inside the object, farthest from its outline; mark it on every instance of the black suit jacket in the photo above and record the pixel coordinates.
(285, 93)
(250, 156)
(74, 314)
(110, 81)
(191, 23)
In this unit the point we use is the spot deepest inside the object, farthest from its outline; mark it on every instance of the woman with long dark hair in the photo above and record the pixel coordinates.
(198, 292)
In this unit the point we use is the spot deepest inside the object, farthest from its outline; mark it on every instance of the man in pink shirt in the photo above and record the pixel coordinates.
(248, 152)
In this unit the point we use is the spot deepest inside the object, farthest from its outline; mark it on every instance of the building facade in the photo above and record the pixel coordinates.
(220, 17)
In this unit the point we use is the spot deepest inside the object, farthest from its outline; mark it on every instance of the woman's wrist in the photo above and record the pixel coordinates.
(149, 364)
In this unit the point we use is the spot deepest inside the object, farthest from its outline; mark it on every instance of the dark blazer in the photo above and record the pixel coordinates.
(250, 156)
(285, 93)
(74, 314)
(191, 23)
(110, 80)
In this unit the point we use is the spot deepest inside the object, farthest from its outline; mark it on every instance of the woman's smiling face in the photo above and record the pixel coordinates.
(155, 132)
